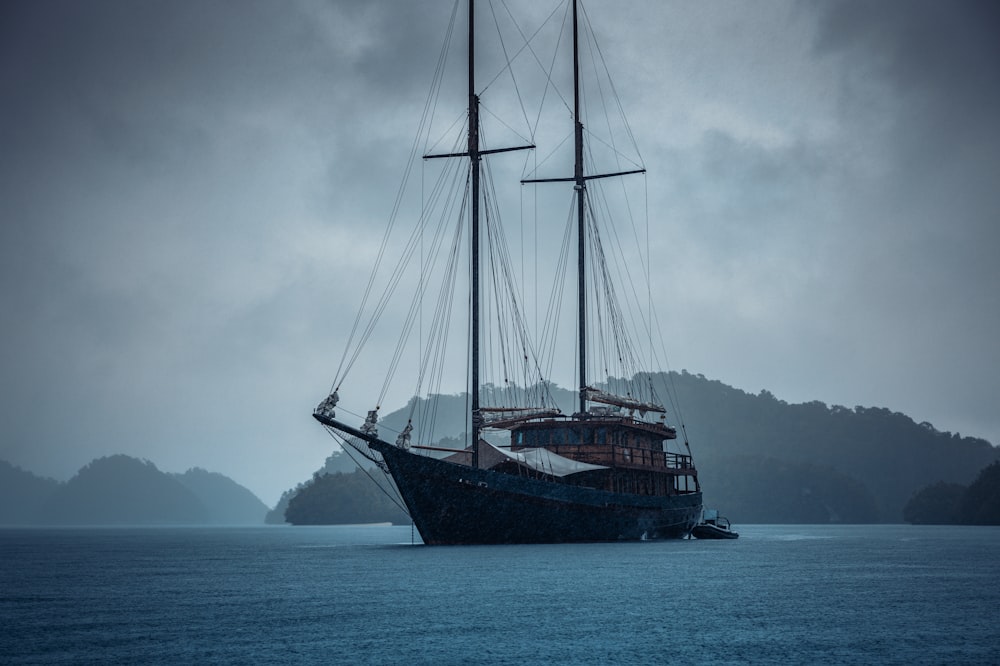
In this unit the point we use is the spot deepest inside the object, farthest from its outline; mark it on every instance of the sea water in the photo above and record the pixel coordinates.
(369, 595)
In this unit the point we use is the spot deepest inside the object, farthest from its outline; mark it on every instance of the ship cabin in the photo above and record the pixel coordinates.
(633, 451)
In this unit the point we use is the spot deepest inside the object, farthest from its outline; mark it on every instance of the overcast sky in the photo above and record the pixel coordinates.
(190, 193)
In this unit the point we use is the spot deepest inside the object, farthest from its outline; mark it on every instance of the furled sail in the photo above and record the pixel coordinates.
(596, 395)
(499, 417)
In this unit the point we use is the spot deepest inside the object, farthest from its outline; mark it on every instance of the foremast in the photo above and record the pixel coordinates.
(475, 153)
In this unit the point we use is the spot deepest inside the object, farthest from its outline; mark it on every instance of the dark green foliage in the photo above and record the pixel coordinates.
(938, 504)
(949, 503)
(333, 499)
(752, 489)
(21, 494)
(338, 461)
(981, 503)
(887, 452)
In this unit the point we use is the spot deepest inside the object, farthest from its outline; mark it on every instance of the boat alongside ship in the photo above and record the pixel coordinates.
(530, 473)
(714, 526)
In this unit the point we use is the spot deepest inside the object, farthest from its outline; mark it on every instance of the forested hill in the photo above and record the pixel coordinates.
(888, 453)
(121, 490)
(762, 459)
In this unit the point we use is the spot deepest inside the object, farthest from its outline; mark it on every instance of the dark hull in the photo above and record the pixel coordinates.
(456, 504)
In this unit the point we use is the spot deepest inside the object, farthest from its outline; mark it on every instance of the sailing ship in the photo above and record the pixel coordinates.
(530, 473)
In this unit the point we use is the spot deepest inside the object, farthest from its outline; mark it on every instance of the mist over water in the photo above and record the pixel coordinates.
(886, 594)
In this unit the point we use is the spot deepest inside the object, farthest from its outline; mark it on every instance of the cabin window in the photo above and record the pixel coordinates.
(601, 436)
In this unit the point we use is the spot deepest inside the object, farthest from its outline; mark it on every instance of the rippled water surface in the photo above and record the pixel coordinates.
(799, 594)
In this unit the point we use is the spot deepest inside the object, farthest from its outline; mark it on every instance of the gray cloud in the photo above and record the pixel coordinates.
(191, 192)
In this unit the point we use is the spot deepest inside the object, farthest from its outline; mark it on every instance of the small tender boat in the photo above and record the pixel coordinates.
(713, 526)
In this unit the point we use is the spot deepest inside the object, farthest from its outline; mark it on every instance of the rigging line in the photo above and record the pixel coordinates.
(526, 40)
(447, 277)
(549, 83)
(440, 68)
(500, 255)
(423, 265)
(550, 325)
(483, 107)
(623, 343)
(507, 305)
(551, 153)
(493, 296)
(520, 239)
(508, 67)
(394, 280)
(623, 264)
(603, 285)
(447, 304)
(644, 258)
(502, 289)
(527, 44)
(414, 309)
(617, 153)
(397, 500)
(614, 91)
(433, 357)
(342, 371)
(460, 118)
(592, 39)
(631, 218)
(612, 145)
(649, 270)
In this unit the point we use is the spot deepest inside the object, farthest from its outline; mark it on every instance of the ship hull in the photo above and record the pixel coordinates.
(456, 504)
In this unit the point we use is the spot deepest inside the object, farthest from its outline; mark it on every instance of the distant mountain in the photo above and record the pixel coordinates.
(761, 459)
(121, 490)
(226, 502)
(21, 494)
(886, 452)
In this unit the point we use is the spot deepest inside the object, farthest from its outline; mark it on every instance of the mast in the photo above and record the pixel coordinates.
(579, 180)
(474, 166)
(475, 154)
(581, 188)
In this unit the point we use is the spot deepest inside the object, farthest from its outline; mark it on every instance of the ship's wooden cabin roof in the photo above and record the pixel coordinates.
(597, 431)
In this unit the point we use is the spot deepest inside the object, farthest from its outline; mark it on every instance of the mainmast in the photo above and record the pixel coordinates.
(579, 181)
(474, 166)
(581, 199)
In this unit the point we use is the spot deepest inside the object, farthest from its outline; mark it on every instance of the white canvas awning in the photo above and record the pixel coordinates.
(541, 460)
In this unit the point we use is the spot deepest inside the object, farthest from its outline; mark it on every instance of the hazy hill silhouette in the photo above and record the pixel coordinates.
(22, 494)
(226, 502)
(121, 490)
